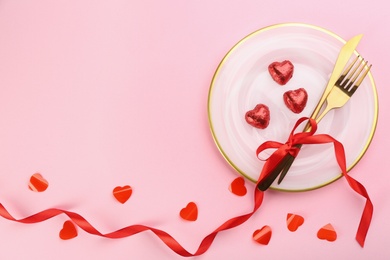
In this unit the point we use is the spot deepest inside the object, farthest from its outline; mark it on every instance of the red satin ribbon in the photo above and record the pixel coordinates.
(134, 229)
(310, 138)
(282, 150)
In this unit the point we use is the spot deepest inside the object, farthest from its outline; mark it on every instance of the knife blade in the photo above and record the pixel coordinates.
(344, 55)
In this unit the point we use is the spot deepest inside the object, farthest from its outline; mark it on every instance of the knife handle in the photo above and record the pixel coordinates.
(280, 170)
(267, 181)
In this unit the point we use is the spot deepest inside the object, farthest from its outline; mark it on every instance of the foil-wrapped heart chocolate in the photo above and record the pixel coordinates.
(295, 100)
(281, 72)
(258, 117)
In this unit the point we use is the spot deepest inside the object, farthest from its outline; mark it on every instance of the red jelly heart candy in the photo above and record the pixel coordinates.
(281, 72)
(295, 100)
(294, 222)
(68, 231)
(263, 235)
(190, 212)
(327, 232)
(122, 194)
(258, 117)
(238, 186)
(38, 183)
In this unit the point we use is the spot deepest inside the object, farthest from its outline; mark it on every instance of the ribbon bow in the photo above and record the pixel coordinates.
(309, 138)
(289, 147)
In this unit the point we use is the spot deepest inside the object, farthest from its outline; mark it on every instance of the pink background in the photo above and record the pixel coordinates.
(99, 94)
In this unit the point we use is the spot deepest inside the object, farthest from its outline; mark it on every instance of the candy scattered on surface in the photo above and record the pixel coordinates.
(258, 117)
(295, 100)
(281, 72)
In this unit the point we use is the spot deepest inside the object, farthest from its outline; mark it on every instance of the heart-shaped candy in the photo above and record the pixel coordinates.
(294, 221)
(258, 117)
(38, 183)
(263, 235)
(295, 100)
(190, 212)
(281, 72)
(238, 186)
(122, 194)
(68, 231)
(327, 232)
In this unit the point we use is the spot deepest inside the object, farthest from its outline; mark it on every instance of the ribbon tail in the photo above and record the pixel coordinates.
(364, 223)
(166, 238)
(231, 223)
(366, 217)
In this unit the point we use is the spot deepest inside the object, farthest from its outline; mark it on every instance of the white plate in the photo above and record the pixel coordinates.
(242, 81)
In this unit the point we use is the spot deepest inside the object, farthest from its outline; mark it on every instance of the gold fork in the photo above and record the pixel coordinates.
(342, 91)
(345, 86)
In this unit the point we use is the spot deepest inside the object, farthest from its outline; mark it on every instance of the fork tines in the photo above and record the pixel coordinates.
(352, 76)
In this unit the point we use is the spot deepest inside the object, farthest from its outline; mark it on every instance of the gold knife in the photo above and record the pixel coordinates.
(345, 54)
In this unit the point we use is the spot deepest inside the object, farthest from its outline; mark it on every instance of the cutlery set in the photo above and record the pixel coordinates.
(342, 84)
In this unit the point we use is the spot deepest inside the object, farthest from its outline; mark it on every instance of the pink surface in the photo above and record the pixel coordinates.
(99, 94)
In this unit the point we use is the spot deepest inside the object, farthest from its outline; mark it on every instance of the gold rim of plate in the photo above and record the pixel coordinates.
(375, 94)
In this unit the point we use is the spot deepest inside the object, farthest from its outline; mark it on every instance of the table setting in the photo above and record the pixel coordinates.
(184, 129)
